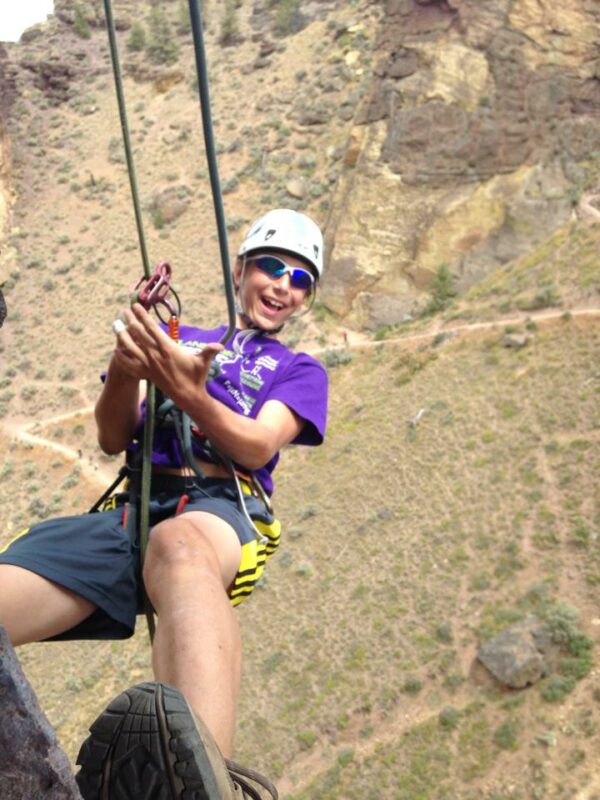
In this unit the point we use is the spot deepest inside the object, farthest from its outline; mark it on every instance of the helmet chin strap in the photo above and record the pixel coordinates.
(242, 311)
(250, 322)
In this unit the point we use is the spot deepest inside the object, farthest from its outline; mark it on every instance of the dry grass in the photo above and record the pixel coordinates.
(423, 540)
(404, 548)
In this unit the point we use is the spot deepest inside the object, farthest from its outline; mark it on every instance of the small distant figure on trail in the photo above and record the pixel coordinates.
(3, 308)
(209, 536)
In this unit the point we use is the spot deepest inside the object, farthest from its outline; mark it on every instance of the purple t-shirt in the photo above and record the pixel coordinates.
(254, 368)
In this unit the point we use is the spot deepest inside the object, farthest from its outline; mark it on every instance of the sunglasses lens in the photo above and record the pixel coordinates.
(275, 267)
(271, 265)
(301, 279)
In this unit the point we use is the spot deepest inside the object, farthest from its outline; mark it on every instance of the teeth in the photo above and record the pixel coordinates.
(273, 304)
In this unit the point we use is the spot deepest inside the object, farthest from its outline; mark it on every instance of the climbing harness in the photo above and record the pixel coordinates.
(154, 290)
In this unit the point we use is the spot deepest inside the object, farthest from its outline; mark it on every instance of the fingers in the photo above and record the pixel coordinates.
(141, 330)
(128, 355)
(118, 326)
(211, 349)
(131, 358)
(146, 350)
(154, 333)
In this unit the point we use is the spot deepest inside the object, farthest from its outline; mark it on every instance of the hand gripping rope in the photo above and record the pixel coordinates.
(153, 284)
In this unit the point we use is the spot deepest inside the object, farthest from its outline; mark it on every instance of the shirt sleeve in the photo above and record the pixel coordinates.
(303, 387)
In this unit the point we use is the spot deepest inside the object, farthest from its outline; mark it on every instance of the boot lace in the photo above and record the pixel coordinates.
(241, 775)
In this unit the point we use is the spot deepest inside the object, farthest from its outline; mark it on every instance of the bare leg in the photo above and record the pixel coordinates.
(33, 608)
(197, 648)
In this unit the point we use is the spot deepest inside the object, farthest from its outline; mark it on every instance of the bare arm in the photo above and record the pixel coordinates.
(251, 442)
(182, 377)
(117, 410)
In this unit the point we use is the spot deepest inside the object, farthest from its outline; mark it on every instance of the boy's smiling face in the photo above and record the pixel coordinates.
(269, 302)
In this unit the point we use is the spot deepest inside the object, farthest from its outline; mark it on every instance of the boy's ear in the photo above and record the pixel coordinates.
(237, 272)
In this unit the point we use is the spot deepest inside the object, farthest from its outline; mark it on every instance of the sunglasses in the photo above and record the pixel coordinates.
(275, 268)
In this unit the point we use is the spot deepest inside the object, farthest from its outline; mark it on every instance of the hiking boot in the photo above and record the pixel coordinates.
(148, 745)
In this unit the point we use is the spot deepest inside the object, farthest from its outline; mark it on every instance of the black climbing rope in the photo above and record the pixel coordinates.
(114, 55)
(203, 89)
(211, 159)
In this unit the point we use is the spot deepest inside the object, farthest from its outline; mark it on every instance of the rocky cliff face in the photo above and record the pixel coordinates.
(32, 764)
(476, 139)
(7, 93)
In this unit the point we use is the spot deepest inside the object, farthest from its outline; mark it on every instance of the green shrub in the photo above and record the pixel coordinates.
(116, 153)
(336, 358)
(578, 668)
(7, 469)
(561, 619)
(449, 718)
(184, 23)
(288, 18)
(443, 633)
(345, 756)
(137, 38)
(412, 685)
(230, 185)
(454, 681)
(162, 47)
(307, 739)
(229, 24)
(547, 296)
(557, 687)
(441, 288)
(158, 220)
(80, 24)
(28, 392)
(506, 735)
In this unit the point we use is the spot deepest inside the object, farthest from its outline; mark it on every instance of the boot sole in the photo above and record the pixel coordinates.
(146, 745)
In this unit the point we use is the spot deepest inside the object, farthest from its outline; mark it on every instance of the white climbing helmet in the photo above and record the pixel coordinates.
(287, 231)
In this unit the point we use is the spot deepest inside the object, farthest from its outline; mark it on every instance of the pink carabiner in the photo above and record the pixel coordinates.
(153, 291)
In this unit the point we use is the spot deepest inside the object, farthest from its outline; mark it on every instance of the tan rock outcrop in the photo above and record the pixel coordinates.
(479, 133)
(6, 251)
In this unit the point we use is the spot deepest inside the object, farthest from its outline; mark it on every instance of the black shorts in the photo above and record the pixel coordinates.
(93, 556)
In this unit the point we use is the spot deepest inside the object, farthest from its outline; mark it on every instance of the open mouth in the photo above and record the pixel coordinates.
(273, 305)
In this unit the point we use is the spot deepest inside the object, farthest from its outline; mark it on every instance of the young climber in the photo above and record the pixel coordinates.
(82, 574)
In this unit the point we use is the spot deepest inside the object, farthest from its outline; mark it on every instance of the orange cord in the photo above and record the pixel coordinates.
(183, 501)
(174, 328)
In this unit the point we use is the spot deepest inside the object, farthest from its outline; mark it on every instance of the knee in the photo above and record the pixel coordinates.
(176, 547)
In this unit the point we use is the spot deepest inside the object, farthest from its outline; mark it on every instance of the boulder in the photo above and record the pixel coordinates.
(297, 187)
(53, 77)
(515, 340)
(170, 203)
(521, 654)
(32, 764)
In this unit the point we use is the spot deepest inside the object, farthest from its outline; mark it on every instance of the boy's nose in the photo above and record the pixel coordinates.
(283, 282)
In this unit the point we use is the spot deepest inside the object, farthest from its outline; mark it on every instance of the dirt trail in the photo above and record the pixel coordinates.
(22, 431)
(471, 329)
